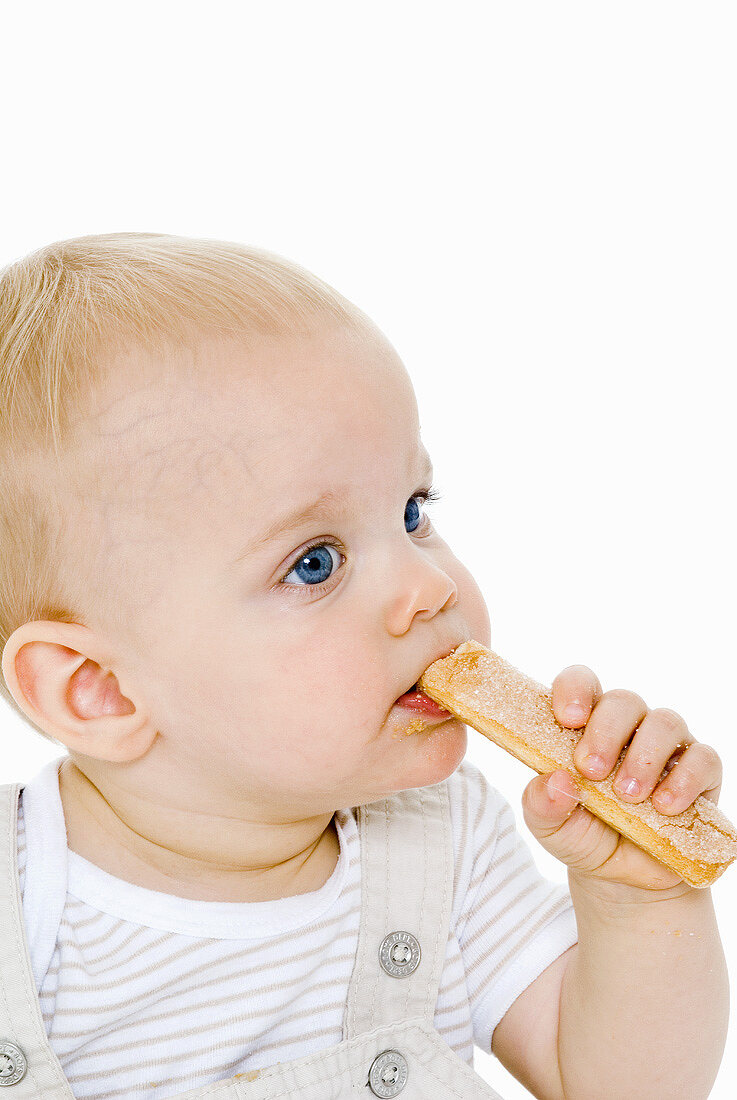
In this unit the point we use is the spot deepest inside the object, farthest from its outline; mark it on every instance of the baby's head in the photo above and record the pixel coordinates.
(170, 611)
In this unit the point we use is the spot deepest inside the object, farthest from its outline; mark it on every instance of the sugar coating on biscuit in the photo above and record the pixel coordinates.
(489, 686)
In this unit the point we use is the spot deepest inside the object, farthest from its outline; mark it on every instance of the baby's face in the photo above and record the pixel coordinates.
(270, 659)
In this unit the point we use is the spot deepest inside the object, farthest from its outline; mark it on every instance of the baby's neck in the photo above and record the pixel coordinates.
(97, 833)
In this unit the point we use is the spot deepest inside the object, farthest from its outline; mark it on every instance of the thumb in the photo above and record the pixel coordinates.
(584, 842)
(564, 828)
(547, 803)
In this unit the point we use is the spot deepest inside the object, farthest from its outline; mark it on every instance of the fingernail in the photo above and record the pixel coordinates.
(575, 713)
(629, 787)
(665, 798)
(594, 765)
(557, 792)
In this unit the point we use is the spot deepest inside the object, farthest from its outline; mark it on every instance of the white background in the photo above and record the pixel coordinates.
(536, 202)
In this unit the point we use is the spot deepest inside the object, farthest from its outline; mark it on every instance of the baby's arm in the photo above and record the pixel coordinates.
(639, 1007)
(526, 1038)
(645, 999)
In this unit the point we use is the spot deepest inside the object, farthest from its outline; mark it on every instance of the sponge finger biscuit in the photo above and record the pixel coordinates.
(516, 712)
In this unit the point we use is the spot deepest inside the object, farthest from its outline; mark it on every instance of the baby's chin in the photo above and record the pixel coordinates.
(430, 754)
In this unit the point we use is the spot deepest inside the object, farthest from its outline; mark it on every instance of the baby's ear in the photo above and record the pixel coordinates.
(94, 691)
(71, 696)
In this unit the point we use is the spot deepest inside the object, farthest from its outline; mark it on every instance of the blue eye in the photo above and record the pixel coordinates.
(315, 566)
(426, 496)
(412, 514)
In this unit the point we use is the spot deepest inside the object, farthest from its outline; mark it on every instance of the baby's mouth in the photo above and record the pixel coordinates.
(417, 701)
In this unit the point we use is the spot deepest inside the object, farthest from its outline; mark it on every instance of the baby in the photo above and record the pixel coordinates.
(254, 873)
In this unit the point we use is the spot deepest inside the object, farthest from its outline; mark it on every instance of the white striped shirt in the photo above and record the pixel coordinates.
(145, 995)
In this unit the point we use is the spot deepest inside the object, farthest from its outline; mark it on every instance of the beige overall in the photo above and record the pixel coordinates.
(390, 1046)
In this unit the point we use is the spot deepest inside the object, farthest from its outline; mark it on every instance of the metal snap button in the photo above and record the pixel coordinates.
(399, 954)
(388, 1074)
(13, 1063)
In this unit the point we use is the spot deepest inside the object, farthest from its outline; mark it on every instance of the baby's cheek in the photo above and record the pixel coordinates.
(324, 748)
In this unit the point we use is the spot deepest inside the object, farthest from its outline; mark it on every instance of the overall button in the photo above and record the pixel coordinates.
(388, 1074)
(13, 1063)
(399, 954)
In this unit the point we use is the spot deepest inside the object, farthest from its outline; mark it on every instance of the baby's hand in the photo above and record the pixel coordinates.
(655, 739)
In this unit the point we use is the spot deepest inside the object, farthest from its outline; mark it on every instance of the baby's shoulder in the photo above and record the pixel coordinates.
(474, 801)
(481, 816)
(484, 834)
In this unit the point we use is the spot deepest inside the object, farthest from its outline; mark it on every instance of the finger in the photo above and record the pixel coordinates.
(562, 826)
(698, 771)
(548, 801)
(576, 687)
(661, 733)
(613, 721)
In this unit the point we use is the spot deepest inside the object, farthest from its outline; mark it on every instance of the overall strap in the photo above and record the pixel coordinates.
(406, 900)
(27, 1062)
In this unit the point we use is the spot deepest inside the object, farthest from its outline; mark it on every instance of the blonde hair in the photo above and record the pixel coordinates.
(63, 308)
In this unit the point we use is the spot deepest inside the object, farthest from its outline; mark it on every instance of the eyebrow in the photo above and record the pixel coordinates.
(319, 509)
